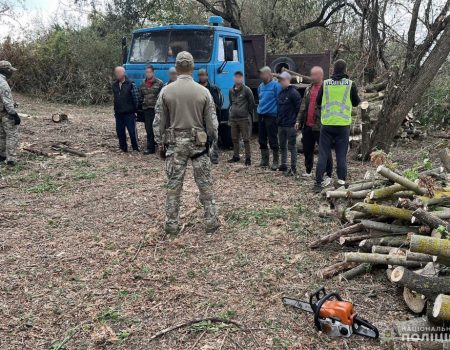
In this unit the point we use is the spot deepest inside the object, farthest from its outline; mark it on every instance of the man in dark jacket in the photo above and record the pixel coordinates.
(126, 98)
(309, 122)
(288, 107)
(242, 105)
(148, 95)
(218, 101)
(335, 99)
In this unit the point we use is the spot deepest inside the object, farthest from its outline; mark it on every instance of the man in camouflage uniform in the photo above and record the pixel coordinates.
(183, 110)
(9, 119)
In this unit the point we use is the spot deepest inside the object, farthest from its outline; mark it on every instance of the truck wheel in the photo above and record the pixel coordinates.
(283, 62)
(225, 136)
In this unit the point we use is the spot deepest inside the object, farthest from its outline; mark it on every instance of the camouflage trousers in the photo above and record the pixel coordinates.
(9, 138)
(177, 158)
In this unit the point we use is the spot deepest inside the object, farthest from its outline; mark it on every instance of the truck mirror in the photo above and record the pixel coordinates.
(124, 50)
(229, 50)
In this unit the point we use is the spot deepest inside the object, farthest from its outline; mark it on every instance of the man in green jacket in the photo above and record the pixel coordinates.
(242, 105)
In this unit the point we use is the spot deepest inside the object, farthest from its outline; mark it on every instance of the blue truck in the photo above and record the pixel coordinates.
(219, 49)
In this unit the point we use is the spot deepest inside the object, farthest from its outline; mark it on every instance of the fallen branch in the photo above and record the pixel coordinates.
(431, 220)
(383, 210)
(356, 271)
(432, 246)
(335, 235)
(380, 259)
(36, 151)
(389, 174)
(334, 269)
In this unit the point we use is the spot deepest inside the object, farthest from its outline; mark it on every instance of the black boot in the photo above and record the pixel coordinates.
(248, 161)
(234, 159)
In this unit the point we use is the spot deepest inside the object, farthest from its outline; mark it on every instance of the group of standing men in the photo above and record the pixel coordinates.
(181, 117)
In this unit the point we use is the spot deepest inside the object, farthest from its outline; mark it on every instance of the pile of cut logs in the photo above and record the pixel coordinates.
(402, 225)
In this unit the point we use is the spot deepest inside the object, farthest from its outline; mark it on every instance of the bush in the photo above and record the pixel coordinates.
(65, 65)
(434, 108)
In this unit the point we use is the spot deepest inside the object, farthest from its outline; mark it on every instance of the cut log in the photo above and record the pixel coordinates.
(366, 244)
(383, 210)
(335, 235)
(430, 219)
(389, 174)
(381, 226)
(420, 257)
(386, 192)
(394, 241)
(444, 155)
(428, 286)
(348, 194)
(366, 185)
(380, 259)
(357, 237)
(352, 216)
(416, 302)
(356, 271)
(334, 269)
(441, 309)
(442, 214)
(379, 249)
(431, 246)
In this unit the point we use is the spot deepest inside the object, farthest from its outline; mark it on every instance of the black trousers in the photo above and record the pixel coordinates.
(339, 136)
(310, 140)
(268, 131)
(149, 116)
(126, 122)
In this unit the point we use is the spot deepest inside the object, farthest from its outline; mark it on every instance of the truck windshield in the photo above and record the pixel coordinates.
(163, 46)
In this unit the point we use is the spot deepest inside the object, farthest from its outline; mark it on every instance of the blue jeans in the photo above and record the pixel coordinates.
(126, 122)
(339, 135)
(287, 137)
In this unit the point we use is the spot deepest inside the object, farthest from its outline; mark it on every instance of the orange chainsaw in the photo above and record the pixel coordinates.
(334, 316)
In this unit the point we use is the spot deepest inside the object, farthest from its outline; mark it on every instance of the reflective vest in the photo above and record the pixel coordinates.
(336, 103)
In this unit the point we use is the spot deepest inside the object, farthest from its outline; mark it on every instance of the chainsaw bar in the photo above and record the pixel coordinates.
(298, 304)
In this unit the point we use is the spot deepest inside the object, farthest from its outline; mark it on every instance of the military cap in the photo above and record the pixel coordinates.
(7, 65)
(185, 56)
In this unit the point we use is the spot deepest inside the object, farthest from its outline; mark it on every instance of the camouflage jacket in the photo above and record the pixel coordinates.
(6, 99)
(182, 92)
(149, 95)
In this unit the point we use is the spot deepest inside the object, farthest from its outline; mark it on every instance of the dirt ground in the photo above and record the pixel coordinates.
(84, 263)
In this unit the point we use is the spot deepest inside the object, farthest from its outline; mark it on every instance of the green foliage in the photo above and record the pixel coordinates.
(47, 185)
(109, 314)
(434, 108)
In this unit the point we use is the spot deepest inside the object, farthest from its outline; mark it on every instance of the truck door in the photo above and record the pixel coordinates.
(224, 71)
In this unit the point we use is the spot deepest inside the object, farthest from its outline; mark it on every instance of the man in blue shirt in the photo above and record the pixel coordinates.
(268, 92)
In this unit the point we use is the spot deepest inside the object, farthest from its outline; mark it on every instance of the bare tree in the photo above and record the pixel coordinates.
(229, 10)
(409, 81)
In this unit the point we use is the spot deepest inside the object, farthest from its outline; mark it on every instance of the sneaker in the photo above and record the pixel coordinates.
(234, 159)
(326, 181)
(282, 168)
(317, 188)
(248, 161)
(307, 175)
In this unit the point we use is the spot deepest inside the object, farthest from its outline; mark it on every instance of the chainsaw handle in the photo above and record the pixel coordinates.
(319, 294)
(319, 305)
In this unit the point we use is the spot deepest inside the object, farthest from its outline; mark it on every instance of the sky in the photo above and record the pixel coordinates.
(35, 14)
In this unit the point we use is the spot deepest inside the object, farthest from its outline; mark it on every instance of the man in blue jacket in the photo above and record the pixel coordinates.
(268, 92)
(288, 107)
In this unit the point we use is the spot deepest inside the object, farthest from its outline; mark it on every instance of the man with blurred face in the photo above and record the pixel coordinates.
(172, 75)
(148, 95)
(242, 104)
(218, 102)
(126, 100)
(268, 92)
(309, 122)
(288, 107)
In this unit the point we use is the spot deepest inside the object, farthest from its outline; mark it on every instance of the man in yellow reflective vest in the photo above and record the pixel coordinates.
(335, 100)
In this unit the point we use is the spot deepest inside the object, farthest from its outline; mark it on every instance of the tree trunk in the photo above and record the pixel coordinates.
(431, 220)
(391, 228)
(381, 259)
(431, 246)
(384, 210)
(441, 309)
(356, 271)
(404, 91)
(428, 286)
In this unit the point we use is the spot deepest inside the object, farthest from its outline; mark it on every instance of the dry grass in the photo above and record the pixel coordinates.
(84, 264)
